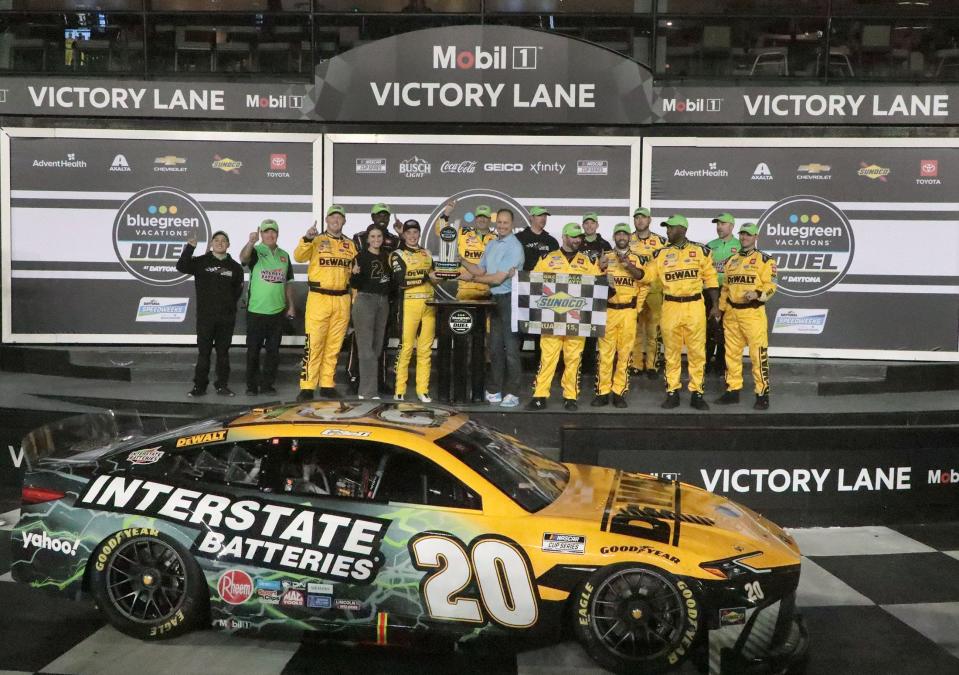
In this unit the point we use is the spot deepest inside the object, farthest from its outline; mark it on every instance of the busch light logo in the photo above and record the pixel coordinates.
(150, 229)
(811, 241)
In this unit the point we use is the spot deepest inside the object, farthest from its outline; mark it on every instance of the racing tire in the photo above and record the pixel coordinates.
(148, 586)
(633, 618)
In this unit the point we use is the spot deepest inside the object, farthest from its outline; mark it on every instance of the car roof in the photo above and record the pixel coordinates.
(430, 421)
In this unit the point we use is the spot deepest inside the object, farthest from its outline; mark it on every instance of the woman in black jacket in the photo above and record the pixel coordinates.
(371, 279)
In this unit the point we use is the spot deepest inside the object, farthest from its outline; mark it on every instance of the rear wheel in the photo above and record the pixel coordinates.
(637, 619)
(148, 587)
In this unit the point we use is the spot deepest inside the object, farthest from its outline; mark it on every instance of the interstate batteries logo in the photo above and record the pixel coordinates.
(811, 241)
(150, 229)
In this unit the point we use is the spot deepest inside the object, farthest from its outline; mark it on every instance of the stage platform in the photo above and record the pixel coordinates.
(844, 443)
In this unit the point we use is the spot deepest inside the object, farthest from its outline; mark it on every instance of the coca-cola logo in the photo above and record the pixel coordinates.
(458, 167)
(235, 587)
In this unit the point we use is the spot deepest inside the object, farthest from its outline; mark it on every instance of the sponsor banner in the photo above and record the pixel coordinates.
(827, 213)
(559, 304)
(121, 210)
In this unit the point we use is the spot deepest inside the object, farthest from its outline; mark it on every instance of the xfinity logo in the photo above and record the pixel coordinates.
(547, 167)
(692, 105)
(494, 58)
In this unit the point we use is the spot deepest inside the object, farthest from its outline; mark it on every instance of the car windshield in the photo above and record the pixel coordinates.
(524, 475)
(194, 428)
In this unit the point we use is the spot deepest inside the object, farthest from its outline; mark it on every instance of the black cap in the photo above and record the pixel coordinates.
(225, 235)
(410, 224)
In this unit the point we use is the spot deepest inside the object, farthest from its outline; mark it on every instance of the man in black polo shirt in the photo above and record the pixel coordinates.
(219, 284)
(536, 241)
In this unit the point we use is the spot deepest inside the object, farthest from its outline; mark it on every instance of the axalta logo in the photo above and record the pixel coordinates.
(560, 303)
(283, 101)
(813, 171)
(692, 105)
(43, 540)
(478, 58)
(873, 172)
(762, 172)
(943, 477)
(120, 165)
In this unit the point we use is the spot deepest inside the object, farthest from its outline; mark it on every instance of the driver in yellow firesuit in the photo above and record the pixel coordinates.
(330, 255)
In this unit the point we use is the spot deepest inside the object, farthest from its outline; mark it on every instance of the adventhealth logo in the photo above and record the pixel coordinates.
(494, 58)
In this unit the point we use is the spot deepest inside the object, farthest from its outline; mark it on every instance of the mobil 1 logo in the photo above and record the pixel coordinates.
(150, 230)
(811, 241)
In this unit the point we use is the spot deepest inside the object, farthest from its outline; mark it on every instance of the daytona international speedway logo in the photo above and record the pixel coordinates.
(560, 303)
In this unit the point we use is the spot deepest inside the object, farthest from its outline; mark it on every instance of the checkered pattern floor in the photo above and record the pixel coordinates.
(877, 600)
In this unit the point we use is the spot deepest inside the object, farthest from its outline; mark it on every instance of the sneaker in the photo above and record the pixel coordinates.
(672, 400)
(196, 391)
(728, 398)
(536, 404)
(329, 392)
(373, 398)
(570, 404)
(494, 398)
(399, 397)
(304, 395)
(268, 389)
(698, 402)
(762, 402)
(509, 401)
(619, 401)
(652, 374)
(424, 398)
(599, 400)
(252, 391)
(225, 391)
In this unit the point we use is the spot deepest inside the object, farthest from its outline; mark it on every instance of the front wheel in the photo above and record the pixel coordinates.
(148, 586)
(636, 619)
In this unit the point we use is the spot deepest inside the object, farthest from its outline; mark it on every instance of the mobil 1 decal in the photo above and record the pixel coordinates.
(283, 536)
(811, 241)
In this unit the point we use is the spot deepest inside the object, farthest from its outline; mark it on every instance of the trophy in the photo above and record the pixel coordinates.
(448, 265)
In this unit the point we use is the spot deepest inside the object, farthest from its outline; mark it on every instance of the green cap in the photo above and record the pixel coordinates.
(483, 210)
(591, 216)
(379, 208)
(725, 218)
(675, 220)
(641, 211)
(622, 227)
(573, 230)
(749, 228)
(269, 224)
(538, 211)
(336, 208)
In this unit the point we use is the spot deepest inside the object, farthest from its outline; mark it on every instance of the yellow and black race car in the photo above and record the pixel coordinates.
(400, 523)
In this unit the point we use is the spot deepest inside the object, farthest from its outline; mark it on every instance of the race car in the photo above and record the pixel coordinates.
(378, 522)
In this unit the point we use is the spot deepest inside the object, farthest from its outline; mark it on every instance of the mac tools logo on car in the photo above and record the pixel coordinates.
(811, 241)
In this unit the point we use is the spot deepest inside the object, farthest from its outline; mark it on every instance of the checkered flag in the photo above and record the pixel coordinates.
(560, 304)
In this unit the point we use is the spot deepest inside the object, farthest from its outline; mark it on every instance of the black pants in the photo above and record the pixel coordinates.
(213, 331)
(715, 342)
(262, 331)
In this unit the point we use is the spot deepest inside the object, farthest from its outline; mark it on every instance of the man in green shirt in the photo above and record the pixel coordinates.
(721, 249)
(271, 297)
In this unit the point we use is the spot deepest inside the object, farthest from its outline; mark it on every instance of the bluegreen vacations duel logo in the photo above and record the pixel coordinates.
(811, 241)
(150, 230)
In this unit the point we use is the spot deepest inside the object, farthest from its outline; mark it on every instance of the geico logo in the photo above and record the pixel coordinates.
(740, 279)
(334, 262)
(208, 437)
(944, 476)
(804, 261)
(492, 166)
(682, 274)
(43, 540)
(478, 58)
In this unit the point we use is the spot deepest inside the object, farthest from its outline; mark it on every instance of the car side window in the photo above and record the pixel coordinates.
(241, 464)
(413, 479)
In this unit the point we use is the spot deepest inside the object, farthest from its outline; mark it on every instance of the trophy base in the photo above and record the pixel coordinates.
(442, 274)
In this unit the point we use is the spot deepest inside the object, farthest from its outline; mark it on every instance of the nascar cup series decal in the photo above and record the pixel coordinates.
(150, 230)
(286, 537)
(811, 241)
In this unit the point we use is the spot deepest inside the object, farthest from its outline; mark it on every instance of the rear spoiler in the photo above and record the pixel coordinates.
(82, 438)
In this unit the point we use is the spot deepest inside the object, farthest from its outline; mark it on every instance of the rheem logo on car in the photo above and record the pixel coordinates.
(811, 241)
(235, 587)
(150, 229)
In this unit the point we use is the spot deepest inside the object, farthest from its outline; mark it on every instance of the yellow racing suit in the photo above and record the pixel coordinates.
(411, 268)
(744, 321)
(470, 244)
(327, 305)
(551, 346)
(647, 330)
(622, 309)
(683, 271)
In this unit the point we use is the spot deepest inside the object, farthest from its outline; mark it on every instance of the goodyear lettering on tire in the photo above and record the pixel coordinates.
(115, 540)
(692, 623)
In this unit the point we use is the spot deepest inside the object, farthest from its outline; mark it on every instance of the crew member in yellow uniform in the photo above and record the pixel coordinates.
(685, 270)
(624, 269)
(750, 282)
(330, 255)
(471, 241)
(413, 275)
(566, 259)
(646, 348)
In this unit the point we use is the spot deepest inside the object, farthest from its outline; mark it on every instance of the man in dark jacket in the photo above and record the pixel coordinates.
(219, 284)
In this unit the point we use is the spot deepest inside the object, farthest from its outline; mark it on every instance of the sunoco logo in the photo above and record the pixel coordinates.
(560, 303)
(811, 241)
(150, 229)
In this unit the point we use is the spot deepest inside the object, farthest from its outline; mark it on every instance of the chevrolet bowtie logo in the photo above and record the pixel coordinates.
(814, 168)
(170, 160)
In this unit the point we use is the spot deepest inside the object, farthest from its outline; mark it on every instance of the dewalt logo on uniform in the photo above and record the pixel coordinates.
(740, 279)
(197, 439)
(560, 303)
(334, 262)
(682, 274)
